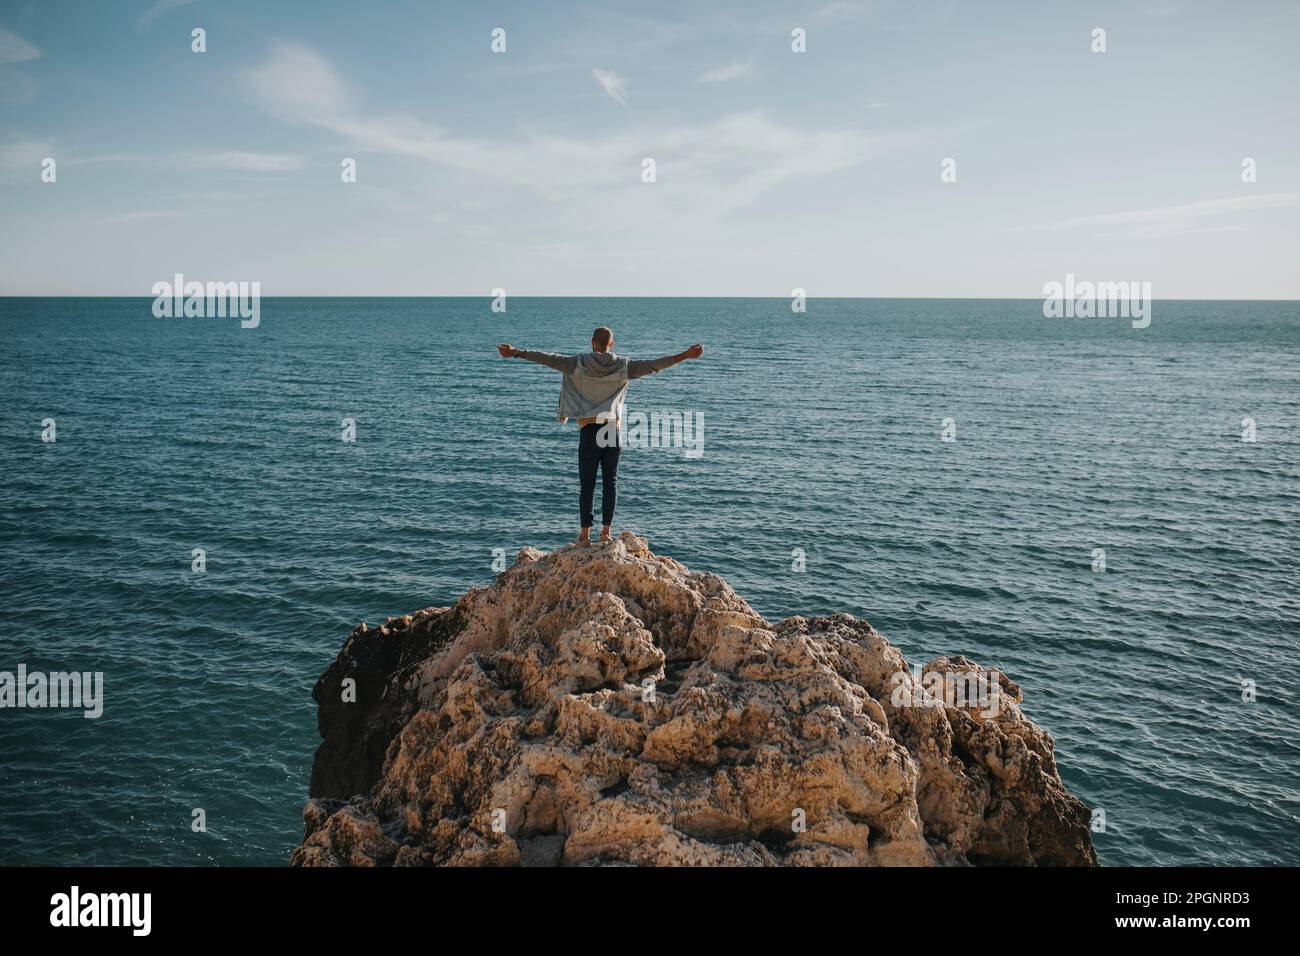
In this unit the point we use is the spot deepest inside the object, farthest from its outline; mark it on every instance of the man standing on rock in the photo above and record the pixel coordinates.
(593, 391)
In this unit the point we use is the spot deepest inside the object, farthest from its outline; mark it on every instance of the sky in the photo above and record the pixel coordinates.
(774, 170)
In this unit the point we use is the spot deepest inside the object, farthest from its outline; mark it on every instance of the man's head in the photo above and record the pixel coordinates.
(602, 340)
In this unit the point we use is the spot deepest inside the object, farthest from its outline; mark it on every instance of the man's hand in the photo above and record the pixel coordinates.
(695, 351)
(507, 351)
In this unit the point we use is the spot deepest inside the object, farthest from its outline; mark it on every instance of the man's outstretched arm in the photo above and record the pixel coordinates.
(641, 367)
(561, 363)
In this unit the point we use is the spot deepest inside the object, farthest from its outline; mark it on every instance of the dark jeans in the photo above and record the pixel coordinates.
(590, 457)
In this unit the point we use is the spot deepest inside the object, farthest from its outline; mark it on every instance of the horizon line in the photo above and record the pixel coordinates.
(759, 298)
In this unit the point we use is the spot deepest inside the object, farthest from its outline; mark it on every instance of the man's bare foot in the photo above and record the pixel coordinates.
(605, 537)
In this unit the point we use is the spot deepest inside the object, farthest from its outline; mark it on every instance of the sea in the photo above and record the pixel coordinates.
(201, 512)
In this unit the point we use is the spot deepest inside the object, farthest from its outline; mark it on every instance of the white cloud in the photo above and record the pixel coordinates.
(732, 71)
(1175, 215)
(243, 160)
(588, 183)
(611, 84)
(14, 49)
(888, 15)
(253, 162)
(141, 215)
(840, 10)
(15, 88)
(299, 82)
(157, 10)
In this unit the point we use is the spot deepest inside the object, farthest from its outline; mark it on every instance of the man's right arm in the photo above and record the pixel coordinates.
(561, 363)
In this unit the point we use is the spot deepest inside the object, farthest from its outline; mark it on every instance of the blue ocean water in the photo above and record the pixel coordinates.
(822, 433)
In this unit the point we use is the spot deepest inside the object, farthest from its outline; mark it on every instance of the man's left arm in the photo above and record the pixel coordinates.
(637, 368)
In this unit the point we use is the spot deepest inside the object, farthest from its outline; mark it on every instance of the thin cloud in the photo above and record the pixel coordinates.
(157, 10)
(1174, 215)
(298, 82)
(242, 160)
(611, 84)
(713, 167)
(14, 49)
(839, 11)
(1172, 233)
(141, 215)
(15, 87)
(732, 71)
(890, 15)
(253, 162)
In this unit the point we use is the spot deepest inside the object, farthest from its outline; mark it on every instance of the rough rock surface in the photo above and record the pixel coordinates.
(605, 705)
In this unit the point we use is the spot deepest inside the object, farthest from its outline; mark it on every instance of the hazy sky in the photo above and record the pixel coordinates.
(775, 169)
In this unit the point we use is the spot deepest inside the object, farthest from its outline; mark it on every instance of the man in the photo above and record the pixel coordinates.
(593, 391)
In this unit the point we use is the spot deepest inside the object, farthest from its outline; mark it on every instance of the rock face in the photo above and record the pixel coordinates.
(605, 705)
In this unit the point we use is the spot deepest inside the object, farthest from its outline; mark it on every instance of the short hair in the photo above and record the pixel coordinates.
(602, 336)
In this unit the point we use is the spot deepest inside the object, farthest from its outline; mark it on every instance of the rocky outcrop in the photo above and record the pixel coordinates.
(605, 705)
